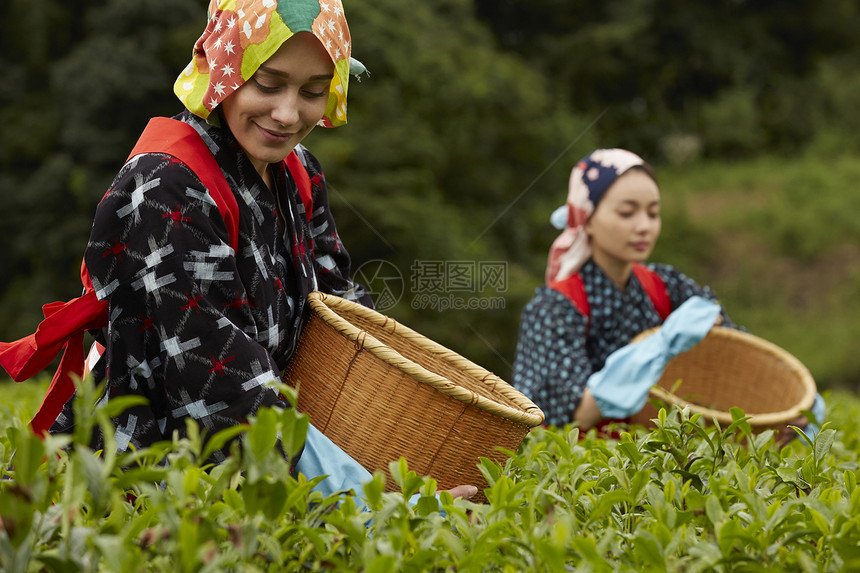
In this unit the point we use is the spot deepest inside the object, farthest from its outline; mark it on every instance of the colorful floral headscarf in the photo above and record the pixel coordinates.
(589, 181)
(242, 34)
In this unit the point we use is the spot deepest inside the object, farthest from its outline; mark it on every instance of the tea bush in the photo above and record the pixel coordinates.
(683, 496)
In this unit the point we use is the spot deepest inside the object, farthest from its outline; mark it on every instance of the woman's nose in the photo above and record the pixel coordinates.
(286, 110)
(643, 223)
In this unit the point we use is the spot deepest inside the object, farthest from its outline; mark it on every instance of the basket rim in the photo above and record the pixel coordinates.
(324, 304)
(767, 419)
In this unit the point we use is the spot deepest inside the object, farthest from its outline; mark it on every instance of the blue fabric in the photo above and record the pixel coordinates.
(321, 456)
(621, 386)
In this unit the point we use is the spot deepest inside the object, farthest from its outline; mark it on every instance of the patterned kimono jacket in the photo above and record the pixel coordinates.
(194, 327)
(559, 348)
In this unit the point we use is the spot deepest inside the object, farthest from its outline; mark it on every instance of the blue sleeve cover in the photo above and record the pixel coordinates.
(621, 387)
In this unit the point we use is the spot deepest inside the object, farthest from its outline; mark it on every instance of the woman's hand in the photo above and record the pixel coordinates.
(587, 413)
(463, 491)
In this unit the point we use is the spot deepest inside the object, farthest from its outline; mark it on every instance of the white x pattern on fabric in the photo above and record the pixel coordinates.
(137, 197)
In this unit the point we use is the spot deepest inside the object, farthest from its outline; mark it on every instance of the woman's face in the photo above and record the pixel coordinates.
(282, 102)
(625, 226)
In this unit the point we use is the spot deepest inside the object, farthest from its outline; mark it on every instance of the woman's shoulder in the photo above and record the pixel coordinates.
(155, 176)
(679, 286)
(671, 275)
(550, 304)
(153, 190)
(665, 270)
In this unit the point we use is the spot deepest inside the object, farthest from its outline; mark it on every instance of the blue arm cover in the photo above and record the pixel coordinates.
(621, 387)
(321, 456)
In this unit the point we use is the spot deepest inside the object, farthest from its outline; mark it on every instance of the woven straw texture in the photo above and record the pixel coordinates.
(380, 390)
(733, 368)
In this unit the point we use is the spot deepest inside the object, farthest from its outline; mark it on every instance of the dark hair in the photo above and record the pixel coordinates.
(647, 169)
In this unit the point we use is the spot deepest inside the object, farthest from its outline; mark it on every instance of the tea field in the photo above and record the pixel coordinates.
(681, 497)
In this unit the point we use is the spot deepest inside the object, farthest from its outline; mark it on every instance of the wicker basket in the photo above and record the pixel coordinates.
(733, 368)
(380, 390)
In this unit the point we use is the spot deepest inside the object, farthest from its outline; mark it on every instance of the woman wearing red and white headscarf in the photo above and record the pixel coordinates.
(599, 294)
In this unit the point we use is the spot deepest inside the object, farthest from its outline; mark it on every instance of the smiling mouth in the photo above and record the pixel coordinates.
(274, 135)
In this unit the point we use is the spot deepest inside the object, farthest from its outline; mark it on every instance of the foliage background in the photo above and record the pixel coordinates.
(461, 141)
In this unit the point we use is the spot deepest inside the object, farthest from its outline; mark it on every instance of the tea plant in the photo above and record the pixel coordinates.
(683, 496)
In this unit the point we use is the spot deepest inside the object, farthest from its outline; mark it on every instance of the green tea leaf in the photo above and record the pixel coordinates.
(606, 502)
(113, 551)
(819, 521)
(28, 457)
(739, 421)
(188, 545)
(637, 484)
(294, 431)
(490, 469)
(587, 548)
(221, 438)
(714, 510)
(788, 475)
(276, 498)
(411, 484)
(427, 504)
(648, 547)
(119, 404)
(262, 435)
(729, 535)
(398, 470)
(382, 564)
(850, 479)
(630, 451)
(823, 443)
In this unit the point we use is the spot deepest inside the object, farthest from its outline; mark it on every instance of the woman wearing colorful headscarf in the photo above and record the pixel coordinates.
(573, 357)
(196, 295)
(599, 295)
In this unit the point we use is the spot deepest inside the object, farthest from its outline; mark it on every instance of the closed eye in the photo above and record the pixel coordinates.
(315, 94)
(266, 89)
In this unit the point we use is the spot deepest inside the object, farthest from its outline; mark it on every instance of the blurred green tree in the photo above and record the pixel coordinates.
(79, 81)
(663, 67)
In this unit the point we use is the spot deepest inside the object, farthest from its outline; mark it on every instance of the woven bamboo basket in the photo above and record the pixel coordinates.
(733, 368)
(380, 390)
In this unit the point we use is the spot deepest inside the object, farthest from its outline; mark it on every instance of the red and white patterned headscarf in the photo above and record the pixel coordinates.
(589, 181)
(242, 34)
